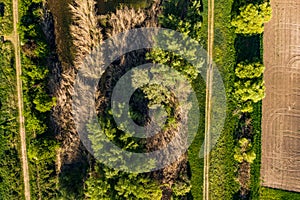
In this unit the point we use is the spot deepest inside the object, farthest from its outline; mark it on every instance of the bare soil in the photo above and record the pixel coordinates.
(281, 107)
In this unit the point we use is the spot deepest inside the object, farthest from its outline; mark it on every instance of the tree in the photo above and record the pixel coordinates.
(97, 188)
(244, 151)
(138, 187)
(107, 183)
(251, 19)
(43, 102)
(250, 90)
(249, 70)
(180, 189)
(247, 92)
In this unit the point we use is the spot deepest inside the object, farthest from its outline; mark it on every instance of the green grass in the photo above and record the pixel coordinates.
(195, 162)
(6, 19)
(274, 194)
(222, 165)
(255, 166)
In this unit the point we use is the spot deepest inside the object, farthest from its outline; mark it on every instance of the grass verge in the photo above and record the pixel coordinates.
(274, 194)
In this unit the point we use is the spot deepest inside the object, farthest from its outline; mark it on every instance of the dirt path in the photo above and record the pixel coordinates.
(209, 82)
(16, 42)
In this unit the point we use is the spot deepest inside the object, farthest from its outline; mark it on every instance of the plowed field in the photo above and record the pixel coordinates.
(281, 107)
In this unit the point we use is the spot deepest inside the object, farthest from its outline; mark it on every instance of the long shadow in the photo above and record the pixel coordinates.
(71, 178)
(2, 9)
(247, 48)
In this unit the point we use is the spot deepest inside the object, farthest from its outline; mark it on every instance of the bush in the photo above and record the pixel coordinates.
(251, 19)
(244, 152)
(245, 70)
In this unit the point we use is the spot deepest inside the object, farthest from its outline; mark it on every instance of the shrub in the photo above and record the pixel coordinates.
(251, 19)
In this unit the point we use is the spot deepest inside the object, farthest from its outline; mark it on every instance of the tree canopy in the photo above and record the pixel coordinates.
(249, 70)
(251, 19)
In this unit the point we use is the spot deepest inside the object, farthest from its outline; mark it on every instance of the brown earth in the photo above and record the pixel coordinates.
(281, 107)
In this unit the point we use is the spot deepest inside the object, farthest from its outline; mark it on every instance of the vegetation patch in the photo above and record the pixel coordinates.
(41, 144)
(275, 194)
(11, 185)
(6, 17)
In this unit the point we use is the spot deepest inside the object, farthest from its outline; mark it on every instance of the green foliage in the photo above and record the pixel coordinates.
(11, 186)
(42, 147)
(183, 17)
(106, 183)
(97, 188)
(44, 102)
(255, 166)
(41, 154)
(222, 164)
(275, 194)
(100, 144)
(243, 152)
(189, 24)
(138, 187)
(250, 87)
(249, 70)
(195, 162)
(181, 189)
(6, 17)
(252, 18)
(249, 91)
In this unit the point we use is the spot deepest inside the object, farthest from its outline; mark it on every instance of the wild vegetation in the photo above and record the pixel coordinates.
(248, 23)
(41, 144)
(222, 164)
(68, 171)
(251, 18)
(6, 20)
(11, 185)
(275, 194)
(250, 87)
(103, 182)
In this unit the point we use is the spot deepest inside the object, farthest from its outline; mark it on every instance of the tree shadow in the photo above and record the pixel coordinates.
(247, 48)
(72, 178)
(2, 9)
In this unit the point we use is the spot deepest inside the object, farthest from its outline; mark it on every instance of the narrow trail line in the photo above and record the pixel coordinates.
(209, 83)
(16, 42)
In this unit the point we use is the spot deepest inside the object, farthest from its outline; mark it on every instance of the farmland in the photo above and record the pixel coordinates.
(281, 107)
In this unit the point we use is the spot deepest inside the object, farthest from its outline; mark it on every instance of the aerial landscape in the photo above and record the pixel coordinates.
(150, 99)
